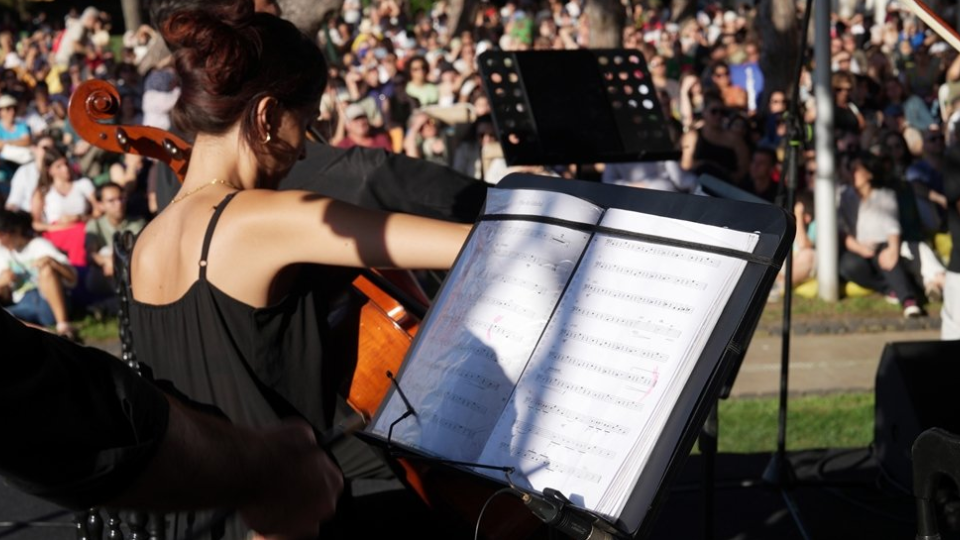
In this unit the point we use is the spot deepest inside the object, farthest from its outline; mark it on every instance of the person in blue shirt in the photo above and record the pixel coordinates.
(14, 141)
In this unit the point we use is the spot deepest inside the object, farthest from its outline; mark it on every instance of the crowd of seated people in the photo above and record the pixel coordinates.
(405, 81)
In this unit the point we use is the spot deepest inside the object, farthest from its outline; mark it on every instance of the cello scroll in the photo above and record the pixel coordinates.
(95, 103)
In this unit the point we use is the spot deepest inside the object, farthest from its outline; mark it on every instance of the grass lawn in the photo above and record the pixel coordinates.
(93, 330)
(748, 425)
(806, 310)
(814, 421)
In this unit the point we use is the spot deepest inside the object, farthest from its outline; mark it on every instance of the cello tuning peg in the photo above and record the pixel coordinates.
(172, 149)
(122, 139)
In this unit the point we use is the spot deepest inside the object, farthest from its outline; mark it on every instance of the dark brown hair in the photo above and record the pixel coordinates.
(50, 156)
(229, 59)
(16, 222)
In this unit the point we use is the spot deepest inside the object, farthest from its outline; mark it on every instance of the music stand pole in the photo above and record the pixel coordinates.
(779, 471)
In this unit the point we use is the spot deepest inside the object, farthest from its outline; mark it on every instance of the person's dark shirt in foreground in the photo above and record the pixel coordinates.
(78, 424)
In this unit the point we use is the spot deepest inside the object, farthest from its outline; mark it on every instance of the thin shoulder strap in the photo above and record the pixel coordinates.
(209, 236)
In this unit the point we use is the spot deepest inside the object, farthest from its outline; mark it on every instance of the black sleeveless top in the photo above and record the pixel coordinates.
(223, 352)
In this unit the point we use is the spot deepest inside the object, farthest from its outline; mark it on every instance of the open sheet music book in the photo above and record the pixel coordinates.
(561, 341)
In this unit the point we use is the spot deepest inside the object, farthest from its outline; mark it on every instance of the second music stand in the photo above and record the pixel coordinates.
(575, 107)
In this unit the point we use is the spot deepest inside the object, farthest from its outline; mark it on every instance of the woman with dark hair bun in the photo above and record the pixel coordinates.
(233, 283)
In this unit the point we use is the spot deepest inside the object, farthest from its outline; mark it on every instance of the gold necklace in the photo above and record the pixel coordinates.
(196, 189)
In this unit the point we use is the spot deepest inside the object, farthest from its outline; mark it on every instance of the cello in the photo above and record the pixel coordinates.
(387, 325)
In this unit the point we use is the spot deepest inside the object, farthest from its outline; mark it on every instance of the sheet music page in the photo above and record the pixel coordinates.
(494, 306)
(613, 359)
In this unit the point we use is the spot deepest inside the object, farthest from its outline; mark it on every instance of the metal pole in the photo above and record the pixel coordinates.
(826, 184)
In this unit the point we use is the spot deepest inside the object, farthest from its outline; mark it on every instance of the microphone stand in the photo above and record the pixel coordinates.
(779, 472)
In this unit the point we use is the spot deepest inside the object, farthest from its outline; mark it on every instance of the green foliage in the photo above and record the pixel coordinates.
(420, 5)
(93, 330)
(750, 425)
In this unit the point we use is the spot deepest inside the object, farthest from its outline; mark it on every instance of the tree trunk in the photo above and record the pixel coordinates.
(461, 15)
(605, 20)
(308, 15)
(778, 26)
(681, 10)
(132, 14)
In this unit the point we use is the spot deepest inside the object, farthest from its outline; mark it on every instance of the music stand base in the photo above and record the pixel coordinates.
(779, 472)
(780, 475)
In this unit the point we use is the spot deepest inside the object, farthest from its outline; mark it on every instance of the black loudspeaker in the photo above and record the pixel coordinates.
(917, 388)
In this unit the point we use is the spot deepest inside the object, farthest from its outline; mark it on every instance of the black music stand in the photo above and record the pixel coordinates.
(587, 106)
(575, 107)
(724, 348)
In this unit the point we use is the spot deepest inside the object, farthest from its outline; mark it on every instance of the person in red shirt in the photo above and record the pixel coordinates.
(359, 132)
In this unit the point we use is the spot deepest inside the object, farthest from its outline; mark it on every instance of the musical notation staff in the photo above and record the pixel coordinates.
(563, 384)
(634, 323)
(691, 256)
(640, 376)
(528, 258)
(612, 345)
(567, 442)
(454, 398)
(589, 421)
(550, 464)
(509, 279)
(466, 375)
(449, 425)
(502, 303)
(636, 272)
(592, 288)
(488, 328)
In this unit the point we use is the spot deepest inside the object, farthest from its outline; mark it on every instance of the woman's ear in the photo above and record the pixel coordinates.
(267, 110)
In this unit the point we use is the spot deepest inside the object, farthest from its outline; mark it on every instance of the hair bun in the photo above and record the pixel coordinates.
(214, 48)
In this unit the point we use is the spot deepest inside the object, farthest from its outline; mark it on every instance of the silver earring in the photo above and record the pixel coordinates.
(267, 138)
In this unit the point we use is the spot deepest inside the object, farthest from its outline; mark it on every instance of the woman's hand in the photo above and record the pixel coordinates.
(888, 257)
(293, 500)
(863, 250)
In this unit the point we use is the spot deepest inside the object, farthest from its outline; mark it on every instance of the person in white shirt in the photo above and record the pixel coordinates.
(60, 201)
(36, 273)
(24, 181)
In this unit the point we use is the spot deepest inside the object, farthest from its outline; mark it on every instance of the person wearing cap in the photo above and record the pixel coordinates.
(354, 129)
(14, 141)
(12, 131)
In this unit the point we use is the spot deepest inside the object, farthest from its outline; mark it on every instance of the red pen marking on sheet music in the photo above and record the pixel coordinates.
(495, 321)
(655, 376)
